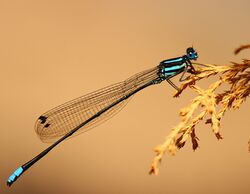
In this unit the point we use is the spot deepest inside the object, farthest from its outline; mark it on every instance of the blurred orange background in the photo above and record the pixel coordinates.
(54, 51)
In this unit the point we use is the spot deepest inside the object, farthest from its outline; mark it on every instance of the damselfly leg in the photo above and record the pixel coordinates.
(172, 84)
(181, 78)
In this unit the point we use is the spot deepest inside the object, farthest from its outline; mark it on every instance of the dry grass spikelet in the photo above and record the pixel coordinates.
(213, 104)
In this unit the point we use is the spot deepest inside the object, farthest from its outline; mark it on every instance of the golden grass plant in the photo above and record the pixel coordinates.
(210, 104)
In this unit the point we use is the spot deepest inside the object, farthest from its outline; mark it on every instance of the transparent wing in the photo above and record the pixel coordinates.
(60, 120)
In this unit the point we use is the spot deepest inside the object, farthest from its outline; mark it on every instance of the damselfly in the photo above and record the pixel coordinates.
(88, 111)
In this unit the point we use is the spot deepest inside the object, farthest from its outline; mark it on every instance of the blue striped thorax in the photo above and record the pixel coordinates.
(171, 67)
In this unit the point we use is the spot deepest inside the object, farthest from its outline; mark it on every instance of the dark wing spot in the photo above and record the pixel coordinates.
(42, 119)
(47, 125)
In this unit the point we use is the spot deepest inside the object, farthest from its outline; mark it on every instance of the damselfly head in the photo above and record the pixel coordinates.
(191, 53)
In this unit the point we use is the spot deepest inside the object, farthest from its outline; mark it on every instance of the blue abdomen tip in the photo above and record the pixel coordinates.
(15, 175)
